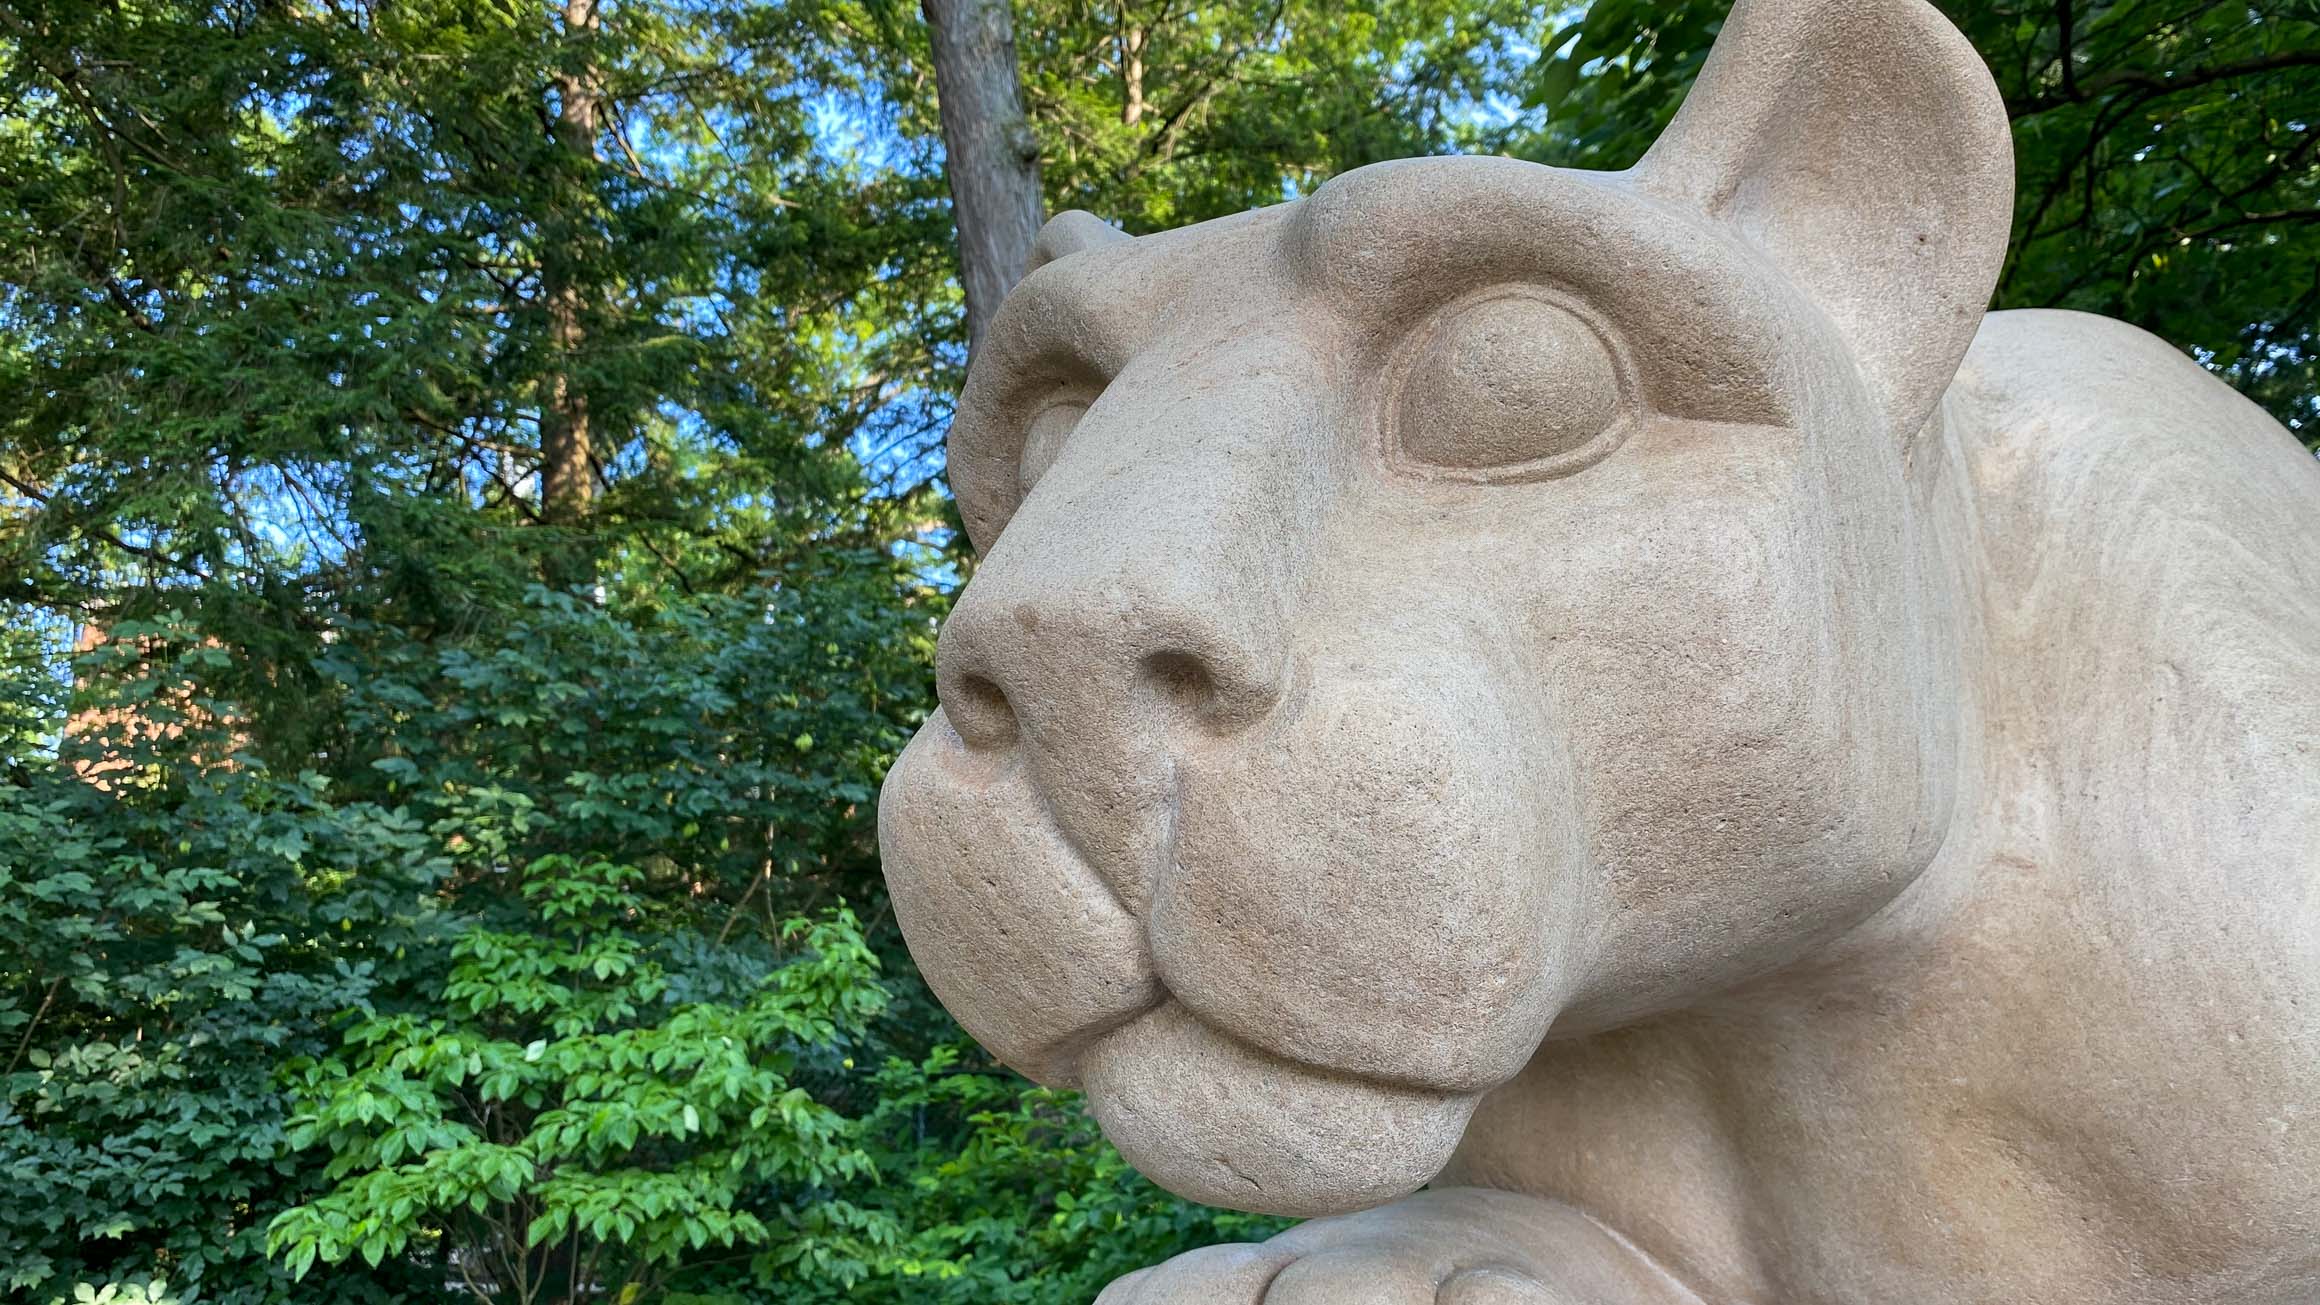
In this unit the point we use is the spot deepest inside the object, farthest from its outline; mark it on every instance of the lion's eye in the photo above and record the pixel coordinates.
(1514, 385)
(1043, 440)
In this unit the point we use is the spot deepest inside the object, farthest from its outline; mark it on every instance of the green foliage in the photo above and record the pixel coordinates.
(1030, 1205)
(568, 1123)
(170, 930)
(731, 745)
(2170, 176)
(1155, 116)
(31, 690)
(180, 921)
(635, 798)
(152, 1291)
(276, 328)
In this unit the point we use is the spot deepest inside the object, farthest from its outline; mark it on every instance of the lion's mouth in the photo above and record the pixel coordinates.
(1386, 931)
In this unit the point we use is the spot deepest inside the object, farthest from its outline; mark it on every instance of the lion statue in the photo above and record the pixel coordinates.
(1627, 702)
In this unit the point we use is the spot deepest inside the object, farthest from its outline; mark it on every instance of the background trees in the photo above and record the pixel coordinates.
(500, 441)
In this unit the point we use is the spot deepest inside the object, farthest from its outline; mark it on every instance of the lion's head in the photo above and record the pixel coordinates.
(1474, 603)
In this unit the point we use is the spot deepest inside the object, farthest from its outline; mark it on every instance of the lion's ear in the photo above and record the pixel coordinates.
(1068, 233)
(1863, 146)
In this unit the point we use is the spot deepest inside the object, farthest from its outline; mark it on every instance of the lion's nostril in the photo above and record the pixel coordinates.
(1182, 683)
(979, 711)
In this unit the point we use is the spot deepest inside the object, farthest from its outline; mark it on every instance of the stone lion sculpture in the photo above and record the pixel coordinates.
(1628, 699)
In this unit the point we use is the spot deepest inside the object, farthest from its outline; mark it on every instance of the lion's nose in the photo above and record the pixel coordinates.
(1104, 681)
(1074, 673)
(1136, 611)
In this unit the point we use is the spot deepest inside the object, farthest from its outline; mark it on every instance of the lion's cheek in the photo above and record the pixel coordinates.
(1030, 951)
(1374, 884)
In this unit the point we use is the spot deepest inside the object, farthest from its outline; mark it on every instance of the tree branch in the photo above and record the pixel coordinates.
(33, 492)
(2065, 17)
(2156, 84)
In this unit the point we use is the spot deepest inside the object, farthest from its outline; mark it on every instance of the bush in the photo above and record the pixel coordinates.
(175, 921)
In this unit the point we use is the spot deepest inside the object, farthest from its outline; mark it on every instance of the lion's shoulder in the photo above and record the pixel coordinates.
(2119, 484)
(2063, 404)
(2150, 569)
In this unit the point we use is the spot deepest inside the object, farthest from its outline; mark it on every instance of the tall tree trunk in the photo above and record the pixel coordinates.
(567, 470)
(992, 157)
(1132, 37)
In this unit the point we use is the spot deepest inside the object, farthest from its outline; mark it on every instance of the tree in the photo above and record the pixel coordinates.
(321, 302)
(295, 299)
(596, 827)
(567, 454)
(2170, 175)
(1156, 115)
(989, 151)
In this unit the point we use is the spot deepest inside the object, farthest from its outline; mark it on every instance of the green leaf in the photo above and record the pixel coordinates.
(1552, 84)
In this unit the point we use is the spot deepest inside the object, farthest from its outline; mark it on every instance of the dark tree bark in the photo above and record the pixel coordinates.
(567, 452)
(991, 156)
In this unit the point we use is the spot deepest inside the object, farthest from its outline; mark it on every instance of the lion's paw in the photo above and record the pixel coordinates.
(1341, 1275)
(1449, 1246)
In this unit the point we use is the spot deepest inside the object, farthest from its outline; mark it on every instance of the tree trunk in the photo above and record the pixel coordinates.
(991, 156)
(567, 464)
(1132, 38)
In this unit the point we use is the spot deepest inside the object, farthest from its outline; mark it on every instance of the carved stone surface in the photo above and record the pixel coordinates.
(1626, 698)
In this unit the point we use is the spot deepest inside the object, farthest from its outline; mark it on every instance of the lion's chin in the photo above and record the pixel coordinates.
(1222, 1123)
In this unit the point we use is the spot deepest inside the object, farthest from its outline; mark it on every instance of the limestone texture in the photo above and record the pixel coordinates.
(1628, 699)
